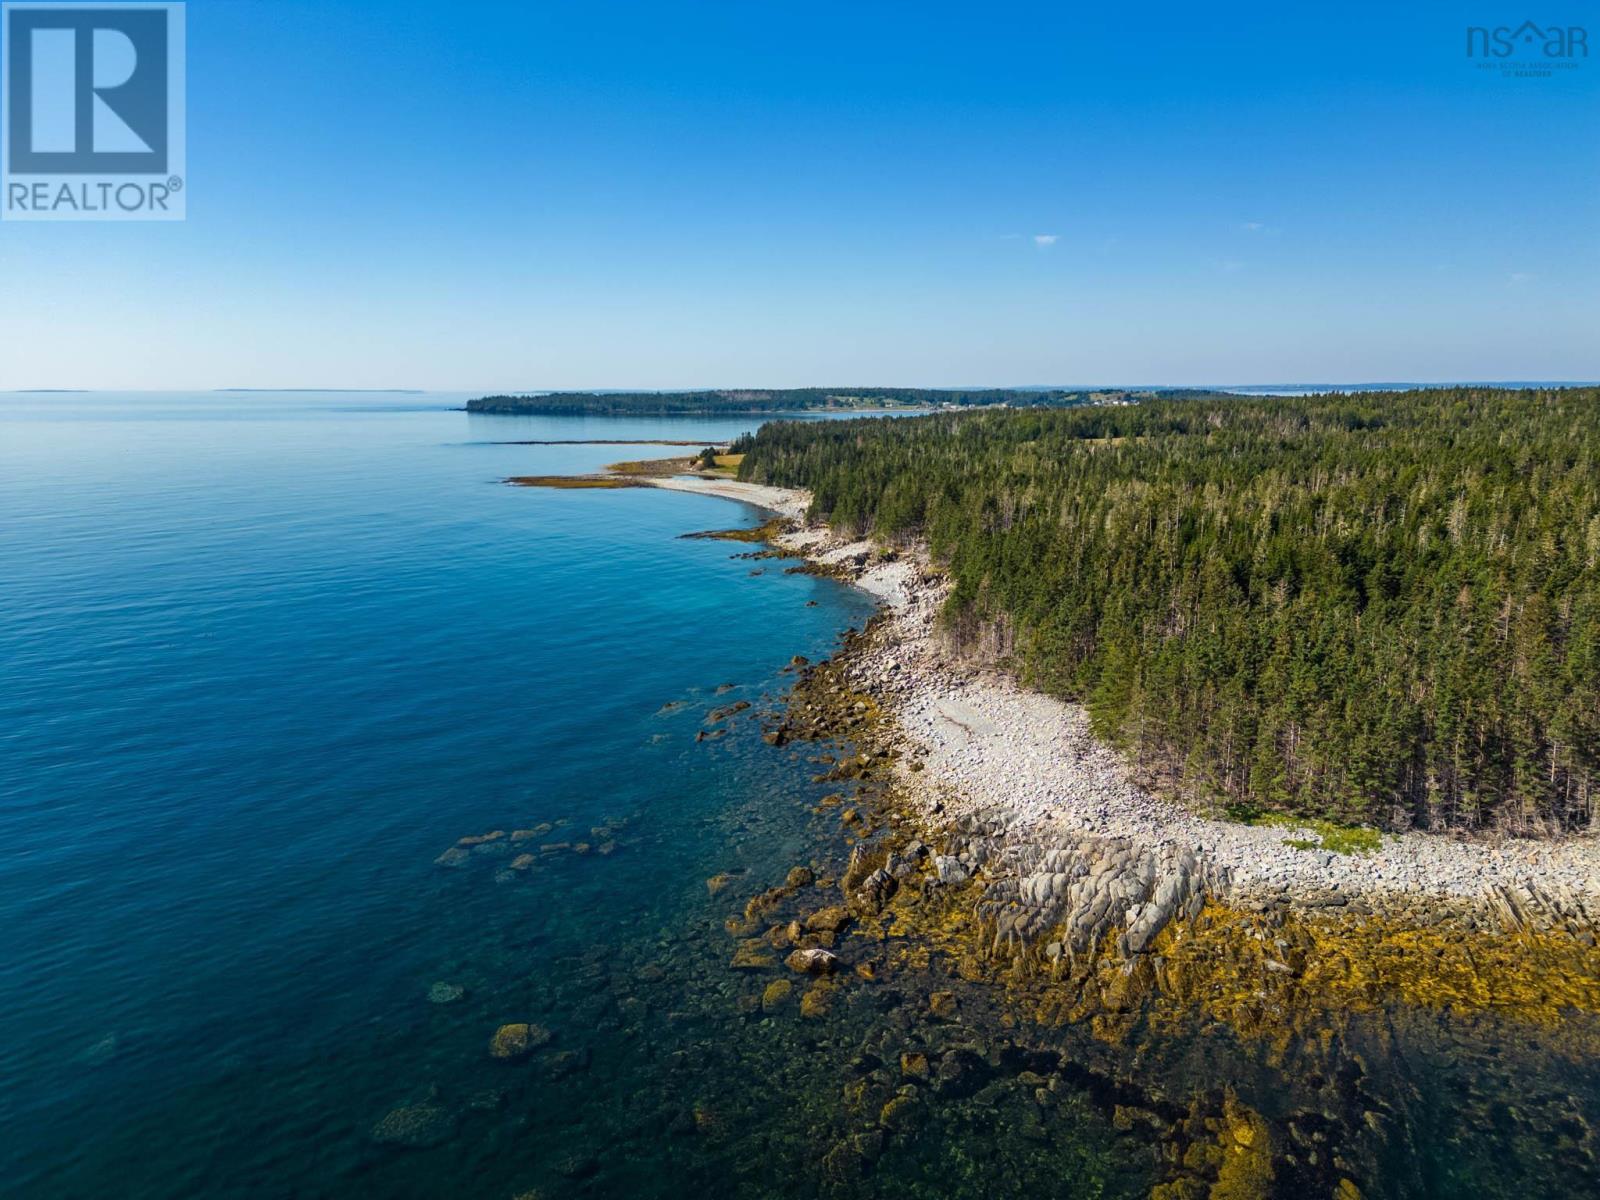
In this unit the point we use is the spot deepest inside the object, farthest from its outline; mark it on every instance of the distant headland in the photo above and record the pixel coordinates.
(738, 401)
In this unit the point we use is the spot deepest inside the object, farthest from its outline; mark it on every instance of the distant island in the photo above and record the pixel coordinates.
(328, 391)
(788, 400)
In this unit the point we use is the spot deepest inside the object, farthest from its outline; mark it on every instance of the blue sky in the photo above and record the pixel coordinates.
(556, 195)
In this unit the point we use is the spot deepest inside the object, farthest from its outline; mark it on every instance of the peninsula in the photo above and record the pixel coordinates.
(771, 401)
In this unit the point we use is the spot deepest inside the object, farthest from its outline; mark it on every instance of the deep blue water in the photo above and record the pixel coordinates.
(264, 658)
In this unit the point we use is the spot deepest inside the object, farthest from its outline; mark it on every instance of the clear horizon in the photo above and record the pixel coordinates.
(647, 196)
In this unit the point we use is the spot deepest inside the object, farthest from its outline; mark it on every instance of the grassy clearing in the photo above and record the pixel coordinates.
(652, 466)
(1319, 834)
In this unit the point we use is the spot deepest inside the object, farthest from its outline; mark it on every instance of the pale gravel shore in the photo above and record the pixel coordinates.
(994, 749)
(785, 502)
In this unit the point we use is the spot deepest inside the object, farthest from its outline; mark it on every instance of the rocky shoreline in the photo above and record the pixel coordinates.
(990, 905)
(1023, 775)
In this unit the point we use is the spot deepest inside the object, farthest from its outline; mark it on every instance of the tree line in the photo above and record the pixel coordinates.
(735, 401)
(1379, 607)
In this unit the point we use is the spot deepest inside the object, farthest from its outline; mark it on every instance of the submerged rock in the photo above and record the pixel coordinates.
(776, 994)
(517, 1040)
(579, 1166)
(568, 1062)
(101, 1052)
(415, 1126)
(816, 1002)
(445, 993)
(722, 714)
(843, 1165)
(899, 1113)
(488, 1100)
(961, 1074)
(752, 955)
(453, 857)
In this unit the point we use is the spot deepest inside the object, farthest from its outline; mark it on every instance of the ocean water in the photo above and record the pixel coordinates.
(265, 658)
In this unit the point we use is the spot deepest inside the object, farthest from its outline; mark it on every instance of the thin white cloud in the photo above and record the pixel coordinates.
(1521, 277)
(1045, 239)
(1252, 226)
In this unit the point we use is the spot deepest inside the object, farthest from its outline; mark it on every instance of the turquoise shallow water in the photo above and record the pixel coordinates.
(263, 658)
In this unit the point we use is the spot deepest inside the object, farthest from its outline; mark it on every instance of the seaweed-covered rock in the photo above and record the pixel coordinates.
(775, 995)
(753, 955)
(899, 1113)
(517, 1040)
(961, 1073)
(813, 961)
(816, 1002)
(828, 920)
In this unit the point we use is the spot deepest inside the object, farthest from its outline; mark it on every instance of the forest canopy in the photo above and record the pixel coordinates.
(1379, 607)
